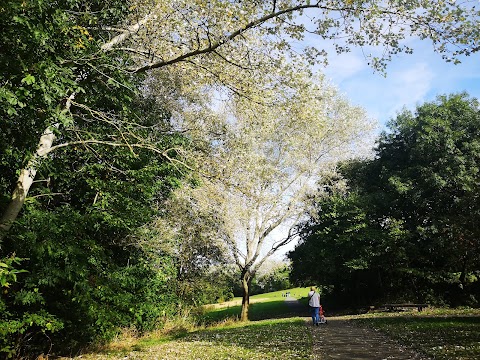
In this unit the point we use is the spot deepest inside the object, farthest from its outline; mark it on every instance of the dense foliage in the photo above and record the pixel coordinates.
(82, 260)
(405, 230)
(274, 280)
(47, 55)
(86, 275)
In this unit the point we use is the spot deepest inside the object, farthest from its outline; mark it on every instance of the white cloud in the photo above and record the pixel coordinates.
(410, 80)
(409, 86)
(345, 66)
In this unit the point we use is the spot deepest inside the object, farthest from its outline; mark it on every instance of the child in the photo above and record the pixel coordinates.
(322, 316)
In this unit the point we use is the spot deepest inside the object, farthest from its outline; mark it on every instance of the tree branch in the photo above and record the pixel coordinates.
(213, 46)
(127, 33)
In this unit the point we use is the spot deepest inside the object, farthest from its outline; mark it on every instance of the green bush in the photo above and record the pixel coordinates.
(18, 328)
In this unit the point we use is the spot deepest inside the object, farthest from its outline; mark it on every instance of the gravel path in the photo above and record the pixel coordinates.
(338, 339)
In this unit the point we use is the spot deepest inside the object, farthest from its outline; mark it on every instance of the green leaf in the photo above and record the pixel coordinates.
(11, 111)
(29, 79)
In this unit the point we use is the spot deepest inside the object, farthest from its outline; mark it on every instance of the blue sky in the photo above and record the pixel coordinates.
(410, 80)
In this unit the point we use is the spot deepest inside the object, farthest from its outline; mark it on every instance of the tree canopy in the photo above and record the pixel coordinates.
(270, 158)
(198, 46)
(405, 228)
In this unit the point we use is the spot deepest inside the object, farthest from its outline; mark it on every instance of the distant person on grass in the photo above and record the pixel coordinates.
(314, 303)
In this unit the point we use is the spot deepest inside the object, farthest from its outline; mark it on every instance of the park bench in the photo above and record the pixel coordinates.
(393, 307)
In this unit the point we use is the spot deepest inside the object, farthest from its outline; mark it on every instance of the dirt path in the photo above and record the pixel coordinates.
(340, 340)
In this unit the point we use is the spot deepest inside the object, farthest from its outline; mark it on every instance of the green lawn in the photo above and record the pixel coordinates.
(257, 311)
(263, 306)
(298, 293)
(295, 292)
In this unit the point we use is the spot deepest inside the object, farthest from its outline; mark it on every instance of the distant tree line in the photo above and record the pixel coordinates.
(405, 229)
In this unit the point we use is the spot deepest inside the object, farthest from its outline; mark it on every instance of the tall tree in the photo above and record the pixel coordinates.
(415, 204)
(348, 251)
(271, 157)
(88, 272)
(430, 162)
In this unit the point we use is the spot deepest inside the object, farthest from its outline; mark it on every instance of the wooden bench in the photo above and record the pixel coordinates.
(393, 307)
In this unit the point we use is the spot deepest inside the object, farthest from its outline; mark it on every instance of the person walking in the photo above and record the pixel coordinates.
(314, 303)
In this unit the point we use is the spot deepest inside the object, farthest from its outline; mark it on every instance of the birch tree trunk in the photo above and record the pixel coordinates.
(27, 175)
(25, 181)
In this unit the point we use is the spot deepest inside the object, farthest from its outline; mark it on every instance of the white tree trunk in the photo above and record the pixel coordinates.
(25, 181)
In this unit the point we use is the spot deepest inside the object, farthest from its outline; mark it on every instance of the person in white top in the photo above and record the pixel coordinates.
(314, 303)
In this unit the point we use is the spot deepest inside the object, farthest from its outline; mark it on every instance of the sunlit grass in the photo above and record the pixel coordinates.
(294, 292)
(257, 311)
(262, 306)
(276, 295)
(268, 339)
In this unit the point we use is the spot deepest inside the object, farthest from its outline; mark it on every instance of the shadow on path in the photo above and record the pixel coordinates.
(296, 307)
(343, 341)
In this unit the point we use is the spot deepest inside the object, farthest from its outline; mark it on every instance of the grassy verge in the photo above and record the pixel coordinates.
(267, 339)
(440, 334)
